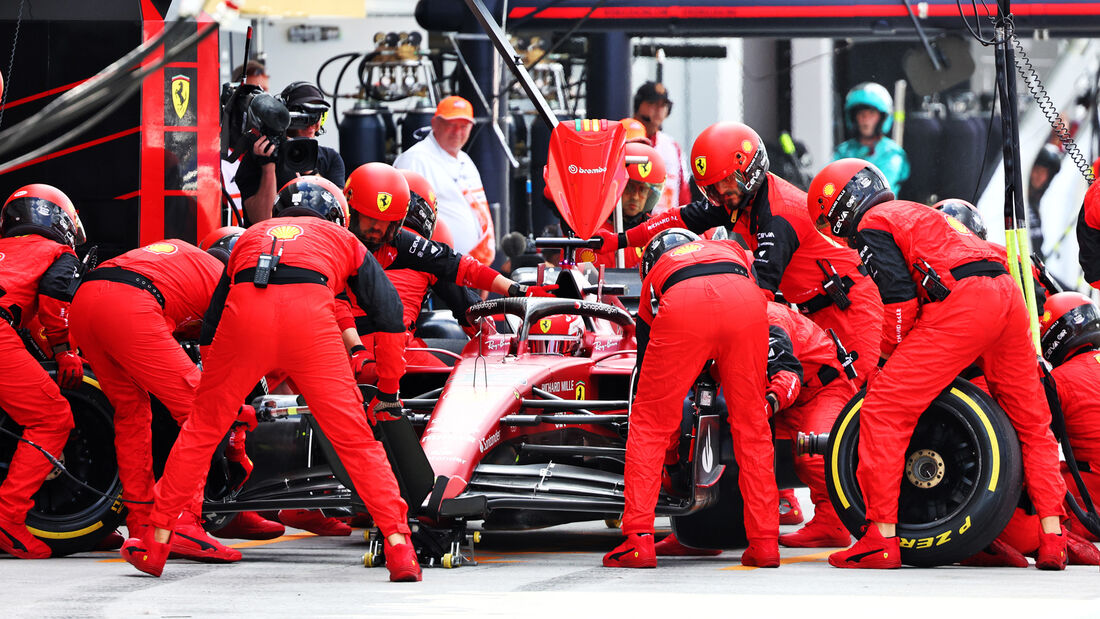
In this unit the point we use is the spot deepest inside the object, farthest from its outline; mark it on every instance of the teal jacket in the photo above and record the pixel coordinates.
(887, 156)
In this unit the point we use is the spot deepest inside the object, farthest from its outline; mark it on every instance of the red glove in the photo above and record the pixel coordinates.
(610, 241)
(246, 417)
(540, 291)
(384, 407)
(70, 369)
(359, 359)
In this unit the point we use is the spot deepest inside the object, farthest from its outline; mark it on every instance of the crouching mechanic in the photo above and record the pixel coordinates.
(282, 277)
(39, 229)
(686, 283)
(1088, 233)
(123, 318)
(934, 276)
(824, 279)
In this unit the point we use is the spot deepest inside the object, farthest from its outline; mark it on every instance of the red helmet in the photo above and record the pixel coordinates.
(1070, 322)
(635, 131)
(966, 213)
(842, 192)
(380, 192)
(729, 150)
(651, 174)
(422, 214)
(560, 334)
(44, 210)
(220, 242)
(312, 195)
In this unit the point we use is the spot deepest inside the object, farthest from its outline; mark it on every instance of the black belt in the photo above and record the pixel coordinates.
(699, 270)
(284, 274)
(6, 315)
(1084, 466)
(125, 276)
(978, 268)
(827, 374)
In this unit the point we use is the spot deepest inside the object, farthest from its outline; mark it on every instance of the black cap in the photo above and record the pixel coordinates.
(298, 93)
(651, 91)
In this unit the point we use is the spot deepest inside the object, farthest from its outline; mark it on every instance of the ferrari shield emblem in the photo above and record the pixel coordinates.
(544, 324)
(579, 391)
(181, 94)
(384, 201)
(644, 169)
(701, 165)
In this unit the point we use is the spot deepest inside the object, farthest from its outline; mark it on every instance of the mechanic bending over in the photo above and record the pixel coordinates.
(123, 318)
(935, 276)
(1088, 232)
(825, 280)
(39, 228)
(274, 309)
(806, 389)
(686, 282)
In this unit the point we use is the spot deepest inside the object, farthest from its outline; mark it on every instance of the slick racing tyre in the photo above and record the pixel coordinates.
(67, 516)
(961, 481)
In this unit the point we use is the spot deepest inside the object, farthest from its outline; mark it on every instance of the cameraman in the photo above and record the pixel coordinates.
(258, 178)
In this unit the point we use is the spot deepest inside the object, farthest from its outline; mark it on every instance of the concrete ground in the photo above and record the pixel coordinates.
(555, 572)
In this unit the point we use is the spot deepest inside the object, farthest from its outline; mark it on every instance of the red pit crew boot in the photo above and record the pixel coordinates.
(790, 512)
(761, 553)
(636, 551)
(17, 541)
(314, 521)
(190, 541)
(1080, 550)
(1052, 552)
(872, 551)
(250, 525)
(824, 530)
(997, 554)
(145, 553)
(402, 563)
(671, 547)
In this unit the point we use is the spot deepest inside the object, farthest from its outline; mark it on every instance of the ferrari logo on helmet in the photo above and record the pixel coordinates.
(639, 251)
(384, 201)
(701, 165)
(828, 190)
(181, 94)
(746, 146)
(286, 232)
(545, 324)
(645, 168)
(161, 248)
(686, 249)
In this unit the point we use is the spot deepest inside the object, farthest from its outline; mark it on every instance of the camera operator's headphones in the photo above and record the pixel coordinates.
(317, 108)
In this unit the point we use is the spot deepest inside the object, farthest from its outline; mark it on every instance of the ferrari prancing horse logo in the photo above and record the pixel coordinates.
(645, 168)
(181, 94)
(701, 165)
(384, 201)
(544, 324)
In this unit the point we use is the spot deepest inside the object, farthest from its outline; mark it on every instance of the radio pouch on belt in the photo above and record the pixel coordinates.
(834, 285)
(266, 265)
(931, 281)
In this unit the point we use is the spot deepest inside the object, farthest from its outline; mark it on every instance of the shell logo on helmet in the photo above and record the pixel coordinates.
(746, 146)
(828, 190)
(645, 168)
(545, 325)
(701, 165)
(384, 201)
(686, 249)
(286, 232)
(161, 248)
(958, 226)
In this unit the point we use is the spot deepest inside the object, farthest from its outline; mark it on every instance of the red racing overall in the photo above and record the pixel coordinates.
(1088, 235)
(790, 255)
(290, 325)
(982, 318)
(1078, 381)
(35, 275)
(701, 316)
(123, 318)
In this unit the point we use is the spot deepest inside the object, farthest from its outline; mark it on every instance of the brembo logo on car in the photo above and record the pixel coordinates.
(574, 169)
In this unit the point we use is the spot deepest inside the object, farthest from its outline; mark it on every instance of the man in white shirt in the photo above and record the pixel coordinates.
(457, 183)
(652, 106)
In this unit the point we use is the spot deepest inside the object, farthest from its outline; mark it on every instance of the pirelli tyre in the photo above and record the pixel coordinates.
(67, 516)
(961, 481)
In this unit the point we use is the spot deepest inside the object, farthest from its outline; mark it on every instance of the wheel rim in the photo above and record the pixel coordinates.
(943, 469)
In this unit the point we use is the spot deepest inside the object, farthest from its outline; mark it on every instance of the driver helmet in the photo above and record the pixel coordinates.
(966, 213)
(842, 192)
(869, 95)
(311, 195)
(560, 334)
(44, 210)
(733, 152)
(664, 241)
(1070, 323)
(635, 131)
(423, 212)
(220, 242)
(650, 176)
(380, 192)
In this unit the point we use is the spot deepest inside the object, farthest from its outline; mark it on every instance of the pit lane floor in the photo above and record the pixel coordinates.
(550, 573)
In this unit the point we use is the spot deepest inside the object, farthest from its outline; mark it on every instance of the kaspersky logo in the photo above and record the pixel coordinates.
(160, 248)
(181, 94)
(701, 165)
(286, 232)
(384, 201)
